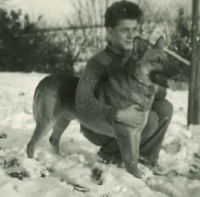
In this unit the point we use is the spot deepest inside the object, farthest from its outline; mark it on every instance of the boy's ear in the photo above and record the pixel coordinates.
(109, 31)
(139, 46)
(160, 43)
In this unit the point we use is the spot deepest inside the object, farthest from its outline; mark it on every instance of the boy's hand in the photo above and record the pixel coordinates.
(130, 116)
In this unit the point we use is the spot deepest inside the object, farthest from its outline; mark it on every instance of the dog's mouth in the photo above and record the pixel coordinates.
(162, 81)
(166, 77)
(159, 79)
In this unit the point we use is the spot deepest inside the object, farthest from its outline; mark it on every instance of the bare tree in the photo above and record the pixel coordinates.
(90, 14)
(3, 2)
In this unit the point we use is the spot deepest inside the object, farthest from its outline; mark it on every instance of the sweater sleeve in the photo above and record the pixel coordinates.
(86, 102)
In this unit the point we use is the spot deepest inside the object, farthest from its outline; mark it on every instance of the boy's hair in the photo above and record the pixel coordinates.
(121, 10)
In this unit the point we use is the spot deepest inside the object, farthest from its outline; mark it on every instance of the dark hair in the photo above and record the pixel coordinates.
(121, 10)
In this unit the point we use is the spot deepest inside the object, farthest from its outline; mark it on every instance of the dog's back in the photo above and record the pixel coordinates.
(52, 94)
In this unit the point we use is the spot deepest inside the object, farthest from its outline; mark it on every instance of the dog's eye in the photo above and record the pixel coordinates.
(156, 61)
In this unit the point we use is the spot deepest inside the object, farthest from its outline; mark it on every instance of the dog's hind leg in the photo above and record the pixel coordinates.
(58, 130)
(41, 130)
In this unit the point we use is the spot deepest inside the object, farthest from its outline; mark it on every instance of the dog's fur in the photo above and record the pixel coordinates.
(54, 102)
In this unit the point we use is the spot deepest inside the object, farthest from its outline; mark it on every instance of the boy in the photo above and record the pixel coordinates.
(121, 22)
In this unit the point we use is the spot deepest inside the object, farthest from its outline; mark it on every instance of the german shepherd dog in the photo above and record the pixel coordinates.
(54, 101)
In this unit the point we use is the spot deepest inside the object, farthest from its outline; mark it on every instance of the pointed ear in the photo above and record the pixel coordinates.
(160, 43)
(139, 46)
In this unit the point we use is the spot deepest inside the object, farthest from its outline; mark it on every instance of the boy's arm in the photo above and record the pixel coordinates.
(86, 103)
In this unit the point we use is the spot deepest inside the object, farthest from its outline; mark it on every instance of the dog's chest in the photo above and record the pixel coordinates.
(122, 90)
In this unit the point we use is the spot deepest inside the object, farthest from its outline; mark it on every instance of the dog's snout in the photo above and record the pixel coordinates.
(171, 71)
(176, 72)
(179, 72)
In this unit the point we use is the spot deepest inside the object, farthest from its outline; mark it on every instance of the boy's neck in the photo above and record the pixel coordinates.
(116, 51)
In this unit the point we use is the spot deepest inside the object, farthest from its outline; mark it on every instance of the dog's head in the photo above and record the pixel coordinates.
(154, 62)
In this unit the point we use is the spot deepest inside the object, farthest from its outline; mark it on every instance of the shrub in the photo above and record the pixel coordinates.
(181, 42)
(23, 47)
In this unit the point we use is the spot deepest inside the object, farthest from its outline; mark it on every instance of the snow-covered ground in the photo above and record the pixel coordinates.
(50, 175)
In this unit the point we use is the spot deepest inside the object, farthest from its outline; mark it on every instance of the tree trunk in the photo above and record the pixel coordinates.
(194, 86)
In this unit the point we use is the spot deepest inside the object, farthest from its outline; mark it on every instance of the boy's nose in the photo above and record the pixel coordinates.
(130, 34)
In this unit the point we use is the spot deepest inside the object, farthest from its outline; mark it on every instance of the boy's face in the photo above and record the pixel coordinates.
(122, 35)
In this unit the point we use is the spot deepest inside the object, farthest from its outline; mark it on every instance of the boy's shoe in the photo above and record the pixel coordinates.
(109, 159)
(155, 167)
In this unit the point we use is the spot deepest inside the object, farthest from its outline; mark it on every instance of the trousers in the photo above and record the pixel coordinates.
(151, 138)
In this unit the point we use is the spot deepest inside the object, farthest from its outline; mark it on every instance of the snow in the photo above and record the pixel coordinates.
(50, 175)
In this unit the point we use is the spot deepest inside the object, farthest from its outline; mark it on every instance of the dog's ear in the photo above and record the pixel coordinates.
(139, 46)
(160, 43)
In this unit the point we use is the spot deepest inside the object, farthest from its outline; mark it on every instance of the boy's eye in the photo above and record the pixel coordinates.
(124, 30)
(128, 31)
(135, 29)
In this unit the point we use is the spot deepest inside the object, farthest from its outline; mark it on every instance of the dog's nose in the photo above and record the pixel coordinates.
(178, 72)
(175, 71)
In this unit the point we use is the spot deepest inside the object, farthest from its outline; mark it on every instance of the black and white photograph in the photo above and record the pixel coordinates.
(100, 98)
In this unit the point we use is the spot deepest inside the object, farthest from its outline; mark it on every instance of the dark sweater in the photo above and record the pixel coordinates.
(101, 67)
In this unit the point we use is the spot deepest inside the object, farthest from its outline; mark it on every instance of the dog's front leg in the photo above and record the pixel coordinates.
(127, 139)
(129, 142)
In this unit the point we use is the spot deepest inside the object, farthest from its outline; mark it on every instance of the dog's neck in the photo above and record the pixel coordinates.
(142, 76)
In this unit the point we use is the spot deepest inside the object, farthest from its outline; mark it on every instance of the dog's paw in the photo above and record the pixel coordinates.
(61, 153)
(58, 151)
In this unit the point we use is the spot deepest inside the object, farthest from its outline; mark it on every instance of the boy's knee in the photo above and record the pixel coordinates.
(151, 126)
(163, 108)
(167, 108)
(152, 119)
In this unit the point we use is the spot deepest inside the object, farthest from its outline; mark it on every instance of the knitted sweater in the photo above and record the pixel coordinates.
(101, 67)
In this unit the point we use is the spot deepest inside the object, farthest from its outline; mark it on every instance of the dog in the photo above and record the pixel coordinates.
(54, 101)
